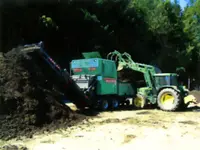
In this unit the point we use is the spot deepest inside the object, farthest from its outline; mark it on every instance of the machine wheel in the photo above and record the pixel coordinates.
(104, 105)
(169, 100)
(114, 104)
(139, 101)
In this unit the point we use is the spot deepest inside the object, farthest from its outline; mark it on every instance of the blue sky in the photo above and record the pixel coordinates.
(183, 3)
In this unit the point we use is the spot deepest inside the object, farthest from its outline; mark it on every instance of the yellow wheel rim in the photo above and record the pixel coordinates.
(167, 100)
(139, 102)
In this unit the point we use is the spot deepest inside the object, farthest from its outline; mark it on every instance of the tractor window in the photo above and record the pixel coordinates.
(174, 80)
(162, 80)
(166, 80)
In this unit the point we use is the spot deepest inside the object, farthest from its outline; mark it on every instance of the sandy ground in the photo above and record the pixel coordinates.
(122, 130)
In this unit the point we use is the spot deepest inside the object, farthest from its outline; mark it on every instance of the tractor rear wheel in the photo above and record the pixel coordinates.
(169, 100)
(139, 101)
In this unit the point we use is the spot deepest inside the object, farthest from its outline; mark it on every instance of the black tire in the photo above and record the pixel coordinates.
(104, 105)
(143, 99)
(114, 104)
(175, 105)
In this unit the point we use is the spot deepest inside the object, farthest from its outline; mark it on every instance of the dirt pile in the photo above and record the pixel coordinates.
(27, 101)
(196, 94)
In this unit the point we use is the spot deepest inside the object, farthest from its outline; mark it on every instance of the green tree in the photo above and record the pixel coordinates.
(192, 29)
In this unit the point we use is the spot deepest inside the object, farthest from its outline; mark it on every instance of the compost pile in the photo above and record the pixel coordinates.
(28, 103)
(196, 94)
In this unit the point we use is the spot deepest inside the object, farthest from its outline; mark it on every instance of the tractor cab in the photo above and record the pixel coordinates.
(169, 80)
(166, 79)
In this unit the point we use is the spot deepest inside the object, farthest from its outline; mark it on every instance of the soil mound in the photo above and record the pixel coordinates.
(28, 101)
(196, 94)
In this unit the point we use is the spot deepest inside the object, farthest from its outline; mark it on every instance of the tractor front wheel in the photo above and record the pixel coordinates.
(139, 101)
(169, 100)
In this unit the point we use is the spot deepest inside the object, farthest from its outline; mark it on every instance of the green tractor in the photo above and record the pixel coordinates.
(161, 89)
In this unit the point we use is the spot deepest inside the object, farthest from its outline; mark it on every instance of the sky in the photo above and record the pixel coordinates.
(183, 3)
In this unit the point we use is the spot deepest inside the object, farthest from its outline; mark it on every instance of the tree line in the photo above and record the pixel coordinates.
(156, 32)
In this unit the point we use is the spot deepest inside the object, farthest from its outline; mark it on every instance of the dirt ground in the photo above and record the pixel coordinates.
(120, 130)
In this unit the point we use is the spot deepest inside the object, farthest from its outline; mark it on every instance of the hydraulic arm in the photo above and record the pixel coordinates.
(125, 61)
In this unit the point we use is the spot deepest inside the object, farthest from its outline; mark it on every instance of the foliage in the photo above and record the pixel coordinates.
(157, 32)
(48, 22)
